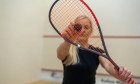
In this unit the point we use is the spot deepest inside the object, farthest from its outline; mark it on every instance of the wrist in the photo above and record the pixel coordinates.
(67, 43)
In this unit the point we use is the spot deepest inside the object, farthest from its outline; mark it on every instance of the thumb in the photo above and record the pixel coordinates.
(116, 70)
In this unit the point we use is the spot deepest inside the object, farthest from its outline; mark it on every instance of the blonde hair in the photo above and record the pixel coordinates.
(73, 57)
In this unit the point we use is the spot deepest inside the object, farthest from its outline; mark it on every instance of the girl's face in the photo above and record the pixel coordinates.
(86, 29)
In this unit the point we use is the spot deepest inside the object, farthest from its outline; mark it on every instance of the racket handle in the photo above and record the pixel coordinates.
(117, 68)
(130, 81)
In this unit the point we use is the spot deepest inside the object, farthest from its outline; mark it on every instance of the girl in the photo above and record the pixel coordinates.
(80, 65)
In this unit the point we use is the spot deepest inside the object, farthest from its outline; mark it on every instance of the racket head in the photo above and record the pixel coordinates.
(62, 12)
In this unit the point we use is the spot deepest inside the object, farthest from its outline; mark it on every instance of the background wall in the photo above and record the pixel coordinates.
(23, 23)
(21, 42)
(118, 18)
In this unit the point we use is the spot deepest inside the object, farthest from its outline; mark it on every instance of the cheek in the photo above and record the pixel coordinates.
(89, 32)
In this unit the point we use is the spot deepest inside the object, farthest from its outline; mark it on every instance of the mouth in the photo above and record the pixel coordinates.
(82, 34)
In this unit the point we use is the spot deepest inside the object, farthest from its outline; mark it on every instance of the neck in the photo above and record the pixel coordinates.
(83, 43)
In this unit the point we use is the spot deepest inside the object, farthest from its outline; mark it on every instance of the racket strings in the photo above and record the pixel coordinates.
(66, 11)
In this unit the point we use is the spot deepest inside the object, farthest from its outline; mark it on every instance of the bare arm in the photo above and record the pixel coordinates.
(71, 34)
(63, 50)
(123, 74)
(108, 66)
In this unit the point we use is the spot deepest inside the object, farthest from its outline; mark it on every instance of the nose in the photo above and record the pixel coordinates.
(82, 30)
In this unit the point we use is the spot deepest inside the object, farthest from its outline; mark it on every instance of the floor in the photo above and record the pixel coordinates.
(45, 82)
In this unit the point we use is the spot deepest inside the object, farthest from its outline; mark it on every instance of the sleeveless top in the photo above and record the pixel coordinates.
(84, 71)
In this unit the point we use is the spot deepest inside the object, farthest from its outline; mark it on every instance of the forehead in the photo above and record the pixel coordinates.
(84, 21)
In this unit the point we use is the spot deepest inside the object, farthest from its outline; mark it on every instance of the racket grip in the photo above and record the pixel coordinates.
(130, 81)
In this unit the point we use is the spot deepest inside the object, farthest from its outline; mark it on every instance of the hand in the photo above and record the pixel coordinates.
(70, 33)
(124, 74)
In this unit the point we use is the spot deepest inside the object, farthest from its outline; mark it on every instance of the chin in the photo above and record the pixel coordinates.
(82, 38)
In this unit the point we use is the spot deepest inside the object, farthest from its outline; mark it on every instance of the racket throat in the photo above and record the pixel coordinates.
(115, 65)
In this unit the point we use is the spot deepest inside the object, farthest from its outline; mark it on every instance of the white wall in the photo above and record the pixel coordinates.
(21, 42)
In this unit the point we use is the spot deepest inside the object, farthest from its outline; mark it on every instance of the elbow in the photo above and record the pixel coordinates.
(60, 55)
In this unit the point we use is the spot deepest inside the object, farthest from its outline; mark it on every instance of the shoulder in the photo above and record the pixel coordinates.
(96, 49)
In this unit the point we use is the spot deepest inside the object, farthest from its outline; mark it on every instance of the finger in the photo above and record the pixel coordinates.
(130, 76)
(72, 31)
(127, 74)
(122, 73)
(70, 28)
(122, 76)
(116, 69)
(67, 34)
(121, 70)
(72, 23)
